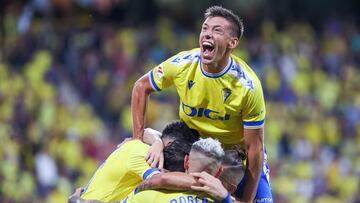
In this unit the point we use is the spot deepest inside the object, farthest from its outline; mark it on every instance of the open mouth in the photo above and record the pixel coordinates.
(207, 48)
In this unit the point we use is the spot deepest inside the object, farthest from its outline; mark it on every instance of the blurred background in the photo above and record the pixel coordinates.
(67, 68)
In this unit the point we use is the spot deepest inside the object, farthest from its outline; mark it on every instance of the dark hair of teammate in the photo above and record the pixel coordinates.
(174, 155)
(178, 130)
(182, 138)
(233, 168)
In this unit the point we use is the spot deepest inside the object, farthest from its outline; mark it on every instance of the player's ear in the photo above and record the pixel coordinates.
(233, 42)
(186, 162)
(231, 188)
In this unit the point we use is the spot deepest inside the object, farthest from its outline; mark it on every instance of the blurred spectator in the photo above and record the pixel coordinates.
(46, 172)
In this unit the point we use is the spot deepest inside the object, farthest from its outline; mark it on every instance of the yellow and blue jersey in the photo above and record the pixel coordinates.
(164, 196)
(217, 105)
(119, 175)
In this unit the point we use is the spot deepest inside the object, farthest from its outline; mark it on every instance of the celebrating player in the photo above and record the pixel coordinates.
(126, 167)
(205, 155)
(232, 171)
(220, 97)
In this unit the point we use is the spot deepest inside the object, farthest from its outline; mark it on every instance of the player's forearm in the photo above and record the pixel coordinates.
(253, 172)
(139, 99)
(171, 181)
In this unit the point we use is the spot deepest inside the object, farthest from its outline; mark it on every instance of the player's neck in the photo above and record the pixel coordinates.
(216, 67)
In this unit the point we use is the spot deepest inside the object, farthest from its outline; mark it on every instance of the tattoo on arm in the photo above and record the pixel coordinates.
(146, 185)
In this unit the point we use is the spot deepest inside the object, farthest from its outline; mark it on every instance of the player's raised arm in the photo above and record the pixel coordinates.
(140, 93)
(159, 78)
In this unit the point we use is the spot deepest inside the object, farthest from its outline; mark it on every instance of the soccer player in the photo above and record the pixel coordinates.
(205, 155)
(126, 167)
(232, 171)
(220, 97)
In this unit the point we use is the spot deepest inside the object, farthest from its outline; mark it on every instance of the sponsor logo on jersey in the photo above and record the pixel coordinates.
(203, 112)
(256, 114)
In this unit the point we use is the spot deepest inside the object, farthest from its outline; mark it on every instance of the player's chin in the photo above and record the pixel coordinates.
(207, 60)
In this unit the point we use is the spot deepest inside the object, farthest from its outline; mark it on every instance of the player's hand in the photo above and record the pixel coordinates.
(210, 185)
(155, 156)
(76, 196)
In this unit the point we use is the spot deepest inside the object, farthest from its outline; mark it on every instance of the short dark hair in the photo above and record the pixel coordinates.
(233, 165)
(178, 130)
(237, 24)
(234, 157)
(174, 155)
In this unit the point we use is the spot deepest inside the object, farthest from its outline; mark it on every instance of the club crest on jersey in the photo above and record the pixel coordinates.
(227, 93)
(159, 72)
(190, 84)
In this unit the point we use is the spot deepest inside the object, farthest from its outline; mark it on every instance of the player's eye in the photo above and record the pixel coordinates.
(218, 30)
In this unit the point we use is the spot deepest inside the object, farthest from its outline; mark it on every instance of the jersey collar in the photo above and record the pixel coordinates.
(216, 75)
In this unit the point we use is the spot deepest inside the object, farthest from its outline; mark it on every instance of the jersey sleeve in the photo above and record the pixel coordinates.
(138, 166)
(163, 75)
(253, 115)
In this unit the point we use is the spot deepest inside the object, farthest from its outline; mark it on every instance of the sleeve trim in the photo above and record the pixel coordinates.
(254, 125)
(153, 83)
(150, 172)
(227, 199)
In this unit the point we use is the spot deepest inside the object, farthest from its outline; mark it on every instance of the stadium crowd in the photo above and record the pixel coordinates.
(65, 89)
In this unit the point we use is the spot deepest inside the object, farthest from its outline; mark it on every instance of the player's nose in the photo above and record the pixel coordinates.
(208, 35)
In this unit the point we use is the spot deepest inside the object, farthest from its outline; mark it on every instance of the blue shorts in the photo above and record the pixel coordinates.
(263, 194)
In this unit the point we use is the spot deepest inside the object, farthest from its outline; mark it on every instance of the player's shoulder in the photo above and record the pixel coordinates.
(135, 146)
(135, 142)
(185, 57)
(244, 73)
(242, 65)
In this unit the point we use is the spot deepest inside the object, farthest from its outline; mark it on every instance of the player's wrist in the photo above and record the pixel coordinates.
(159, 144)
(227, 199)
(158, 139)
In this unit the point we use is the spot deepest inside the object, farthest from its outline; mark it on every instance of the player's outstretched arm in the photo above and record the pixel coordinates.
(254, 140)
(178, 181)
(141, 91)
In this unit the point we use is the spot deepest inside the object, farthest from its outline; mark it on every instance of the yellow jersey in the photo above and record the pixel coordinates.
(217, 105)
(162, 196)
(120, 174)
